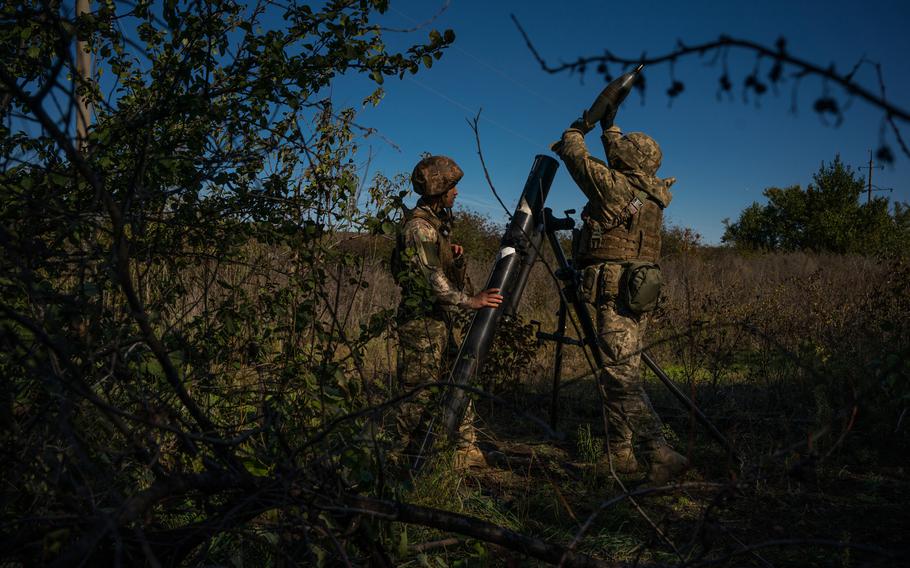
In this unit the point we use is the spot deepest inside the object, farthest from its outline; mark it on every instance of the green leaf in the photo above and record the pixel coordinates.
(153, 367)
(403, 542)
(255, 467)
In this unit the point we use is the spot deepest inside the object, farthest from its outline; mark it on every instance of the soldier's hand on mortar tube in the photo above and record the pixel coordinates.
(609, 117)
(582, 124)
(489, 298)
(457, 250)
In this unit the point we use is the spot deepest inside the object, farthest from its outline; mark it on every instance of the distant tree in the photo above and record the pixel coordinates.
(827, 216)
(478, 234)
(678, 240)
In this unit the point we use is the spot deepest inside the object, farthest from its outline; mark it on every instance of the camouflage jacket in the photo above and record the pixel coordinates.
(432, 279)
(623, 215)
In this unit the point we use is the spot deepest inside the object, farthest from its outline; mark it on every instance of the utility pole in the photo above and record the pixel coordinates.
(84, 72)
(869, 192)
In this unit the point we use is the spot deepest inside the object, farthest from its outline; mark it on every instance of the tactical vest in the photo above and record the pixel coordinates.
(635, 235)
(453, 271)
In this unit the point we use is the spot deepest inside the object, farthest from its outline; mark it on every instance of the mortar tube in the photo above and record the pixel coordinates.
(515, 248)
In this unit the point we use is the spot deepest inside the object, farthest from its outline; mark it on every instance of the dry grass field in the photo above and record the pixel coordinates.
(800, 360)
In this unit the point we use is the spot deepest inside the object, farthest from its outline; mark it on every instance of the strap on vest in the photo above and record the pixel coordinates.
(438, 224)
(597, 228)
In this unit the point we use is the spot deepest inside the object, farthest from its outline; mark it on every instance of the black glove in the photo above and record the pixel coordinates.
(602, 110)
(581, 123)
(606, 121)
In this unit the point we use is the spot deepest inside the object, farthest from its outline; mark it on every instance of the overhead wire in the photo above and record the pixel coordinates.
(537, 145)
(479, 60)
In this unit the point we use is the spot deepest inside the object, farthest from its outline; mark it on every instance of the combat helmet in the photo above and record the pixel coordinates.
(634, 151)
(435, 175)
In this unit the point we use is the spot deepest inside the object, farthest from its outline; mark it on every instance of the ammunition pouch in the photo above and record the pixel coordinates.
(589, 283)
(639, 286)
(459, 273)
(610, 275)
(600, 282)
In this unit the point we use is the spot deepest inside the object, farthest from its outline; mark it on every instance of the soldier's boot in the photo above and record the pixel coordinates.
(469, 457)
(467, 454)
(622, 457)
(666, 464)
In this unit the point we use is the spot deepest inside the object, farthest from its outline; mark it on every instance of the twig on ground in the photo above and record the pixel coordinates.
(424, 546)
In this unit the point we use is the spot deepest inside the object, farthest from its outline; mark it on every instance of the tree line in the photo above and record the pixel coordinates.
(827, 216)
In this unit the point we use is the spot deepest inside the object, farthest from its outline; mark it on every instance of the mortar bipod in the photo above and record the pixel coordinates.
(569, 276)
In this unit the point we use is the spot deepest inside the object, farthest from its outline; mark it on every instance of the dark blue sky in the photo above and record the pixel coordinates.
(723, 153)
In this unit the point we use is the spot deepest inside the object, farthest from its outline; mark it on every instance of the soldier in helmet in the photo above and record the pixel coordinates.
(430, 269)
(617, 253)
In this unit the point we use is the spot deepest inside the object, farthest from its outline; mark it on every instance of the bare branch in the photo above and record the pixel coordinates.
(420, 25)
(781, 57)
(476, 528)
(474, 126)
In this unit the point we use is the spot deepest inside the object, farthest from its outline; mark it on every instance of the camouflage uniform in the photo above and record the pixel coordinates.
(435, 291)
(622, 222)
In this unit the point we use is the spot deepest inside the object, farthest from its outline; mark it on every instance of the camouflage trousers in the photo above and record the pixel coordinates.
(426, 350)
(628, 407)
